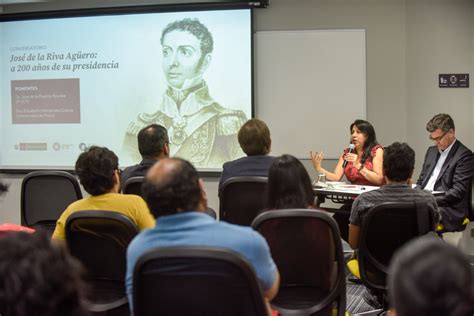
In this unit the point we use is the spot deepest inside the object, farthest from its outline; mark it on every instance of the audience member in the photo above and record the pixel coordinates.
(254, 139)
(153, 144)
(428, 277)
(176, 198)
(98, 173)
(306, 243)
(448, 167)
(289, 184)
(38, 278)
(398, 167)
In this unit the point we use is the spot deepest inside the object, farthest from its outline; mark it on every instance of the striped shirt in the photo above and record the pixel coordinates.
(393, 192)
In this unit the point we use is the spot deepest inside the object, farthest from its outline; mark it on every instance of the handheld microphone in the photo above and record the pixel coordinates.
(351, 149)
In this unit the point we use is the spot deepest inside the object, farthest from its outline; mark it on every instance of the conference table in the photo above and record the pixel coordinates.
(338, 192)
(343, 193)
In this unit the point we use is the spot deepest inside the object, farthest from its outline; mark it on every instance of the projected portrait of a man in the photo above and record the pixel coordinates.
(199, 128)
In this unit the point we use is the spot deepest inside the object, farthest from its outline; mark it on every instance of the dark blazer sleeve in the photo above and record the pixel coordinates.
(456, 187)
(225, 174)
(125, 176)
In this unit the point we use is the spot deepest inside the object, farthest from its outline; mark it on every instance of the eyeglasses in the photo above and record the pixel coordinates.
(438, 139)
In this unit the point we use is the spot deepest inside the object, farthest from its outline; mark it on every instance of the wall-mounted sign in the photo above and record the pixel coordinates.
(453, 80)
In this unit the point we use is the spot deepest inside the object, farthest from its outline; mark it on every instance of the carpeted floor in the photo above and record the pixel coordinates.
(354, 301)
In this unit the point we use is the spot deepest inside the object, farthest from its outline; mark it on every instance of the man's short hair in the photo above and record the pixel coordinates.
(96, 169)
(194, 27)
(38, 277)
(175, 192)
(429, 277)
(151, 140)
(254, 137)
(442, 121)
(398, 162)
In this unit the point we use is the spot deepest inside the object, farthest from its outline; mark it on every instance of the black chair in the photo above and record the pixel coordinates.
(99, 239)
(241, 199)
(386, 228)
(210, 211)
(471, 209)
(133, 185)
(195, 281)
(45, 195)
(306, 247)
(470, 212)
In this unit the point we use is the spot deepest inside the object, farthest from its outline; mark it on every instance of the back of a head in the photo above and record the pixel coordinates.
(151, 140)
(442, 121)
(38, 278)
(172, 186)
(96, 169)
(398, 162)
(254, 138)
(429, 277)
(289, 184)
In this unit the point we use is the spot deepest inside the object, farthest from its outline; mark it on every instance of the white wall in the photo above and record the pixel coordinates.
(439, 40)
(409, 42)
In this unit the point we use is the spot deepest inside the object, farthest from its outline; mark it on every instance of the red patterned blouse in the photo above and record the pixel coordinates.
(353, 175)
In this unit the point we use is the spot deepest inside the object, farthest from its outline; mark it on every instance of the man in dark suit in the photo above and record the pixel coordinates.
(448, 167)
(254, 139)
(153, 144)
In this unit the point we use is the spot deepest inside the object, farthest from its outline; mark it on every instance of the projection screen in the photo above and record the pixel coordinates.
(72, 82)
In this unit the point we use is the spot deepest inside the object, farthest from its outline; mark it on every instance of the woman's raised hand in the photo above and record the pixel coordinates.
(316, 158)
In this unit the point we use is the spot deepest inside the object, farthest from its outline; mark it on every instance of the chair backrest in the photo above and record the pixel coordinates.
(45, 195)
(387, 227)
(306, 246)
(133, 186)
(195, 281)
(99, 239)
(210, 211)
(241, 199)
(470, 200)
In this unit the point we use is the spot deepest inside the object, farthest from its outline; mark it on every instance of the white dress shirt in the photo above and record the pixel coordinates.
(443, 154)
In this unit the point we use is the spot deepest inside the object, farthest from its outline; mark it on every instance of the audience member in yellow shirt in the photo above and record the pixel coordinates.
(98, 172)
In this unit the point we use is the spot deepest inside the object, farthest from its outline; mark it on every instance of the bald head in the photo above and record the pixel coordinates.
(163, 170)
(173, 186)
